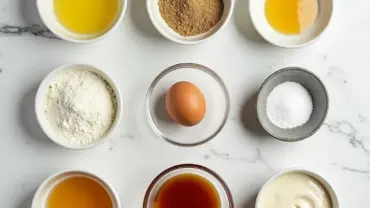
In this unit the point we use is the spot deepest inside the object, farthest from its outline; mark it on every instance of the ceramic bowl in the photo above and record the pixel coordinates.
(170, 34)
(317, 177)
(42, 193)
(220, 185)
(217, 102)
(40, 100)
(319, 97)
(46, 11)
(257, 14)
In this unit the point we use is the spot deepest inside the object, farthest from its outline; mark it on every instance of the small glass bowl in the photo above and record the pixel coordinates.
(217, 102)
(220, 185)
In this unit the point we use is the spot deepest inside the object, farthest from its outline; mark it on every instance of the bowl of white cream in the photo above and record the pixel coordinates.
(78, 106)
(297, 188)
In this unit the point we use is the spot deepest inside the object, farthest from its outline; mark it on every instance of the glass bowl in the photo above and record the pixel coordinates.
(220, 185)
(217, 101)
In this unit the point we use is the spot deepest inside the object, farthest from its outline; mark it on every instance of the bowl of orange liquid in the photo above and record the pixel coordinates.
(290, 23)
(188, 185)
(81, 21)
(75, 189)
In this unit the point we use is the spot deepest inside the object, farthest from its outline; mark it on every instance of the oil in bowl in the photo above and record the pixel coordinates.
(86, 17)
(75, 189)
(291, 17)
(77, 192)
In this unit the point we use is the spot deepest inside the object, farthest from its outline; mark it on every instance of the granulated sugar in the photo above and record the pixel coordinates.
(289, 105)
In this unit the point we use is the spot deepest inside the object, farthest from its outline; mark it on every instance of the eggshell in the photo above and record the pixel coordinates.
(185, 103)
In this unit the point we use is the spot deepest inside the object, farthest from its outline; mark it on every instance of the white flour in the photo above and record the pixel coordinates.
(80, 106)
(289, 105)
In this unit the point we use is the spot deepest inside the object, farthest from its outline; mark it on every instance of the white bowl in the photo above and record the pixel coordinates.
(257, 14)
(46, 11)
(170, 34)
(321, 180)
(42, 193)
(45, 125)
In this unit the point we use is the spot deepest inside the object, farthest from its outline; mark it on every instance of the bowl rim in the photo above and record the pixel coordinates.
(40, 97)
(193, 166)
(283, 70)
(175, 67)
(84, 173)
(191, 42)
(97, 38)
(331, 192)
(313, 40)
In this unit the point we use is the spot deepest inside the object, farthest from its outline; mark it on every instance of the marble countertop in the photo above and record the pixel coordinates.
(135, 53)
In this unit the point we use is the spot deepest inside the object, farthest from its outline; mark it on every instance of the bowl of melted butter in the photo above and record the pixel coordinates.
(297, 188)
(81, 21)
(290, 23)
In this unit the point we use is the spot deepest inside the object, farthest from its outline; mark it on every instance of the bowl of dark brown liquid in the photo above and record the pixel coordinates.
(188, 186)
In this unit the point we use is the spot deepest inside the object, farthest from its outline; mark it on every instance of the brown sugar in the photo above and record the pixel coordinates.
(191, 17)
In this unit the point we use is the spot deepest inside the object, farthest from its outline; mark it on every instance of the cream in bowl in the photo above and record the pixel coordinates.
(78, 106)
(297, 189)
(75, 189)
(81, 21)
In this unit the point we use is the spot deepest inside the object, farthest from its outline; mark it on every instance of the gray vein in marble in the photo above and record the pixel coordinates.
(233, 119)
(36, 30)
(347, 129)
(356, 170)
(337, 71)
(226, 156)
(127, 136)
(362, 119)
(353, 170)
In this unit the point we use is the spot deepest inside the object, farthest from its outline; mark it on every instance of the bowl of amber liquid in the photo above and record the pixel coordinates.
(75, 188)
(188, 185)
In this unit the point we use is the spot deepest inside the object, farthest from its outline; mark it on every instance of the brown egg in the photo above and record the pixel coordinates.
(185, 103)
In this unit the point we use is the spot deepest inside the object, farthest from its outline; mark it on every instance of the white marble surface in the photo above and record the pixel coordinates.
(243, 155)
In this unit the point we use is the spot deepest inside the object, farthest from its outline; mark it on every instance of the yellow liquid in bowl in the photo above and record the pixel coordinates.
(86, 17)
(291, 17)
(79, 192)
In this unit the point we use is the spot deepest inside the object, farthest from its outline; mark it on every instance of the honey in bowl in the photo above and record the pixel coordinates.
(187, 191)
(291, 17)
(86, 17)
(79, 192)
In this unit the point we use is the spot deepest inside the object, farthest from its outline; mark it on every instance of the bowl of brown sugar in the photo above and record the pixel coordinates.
(189, 21)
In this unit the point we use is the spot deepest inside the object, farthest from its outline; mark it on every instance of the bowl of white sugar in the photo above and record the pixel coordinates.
(292, 104)
(78, 106)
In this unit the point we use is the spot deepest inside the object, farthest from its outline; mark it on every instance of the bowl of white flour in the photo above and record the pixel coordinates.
(78, 106)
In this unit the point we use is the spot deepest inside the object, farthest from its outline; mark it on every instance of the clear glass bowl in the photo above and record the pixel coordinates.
(220, 185)
(217, 102)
